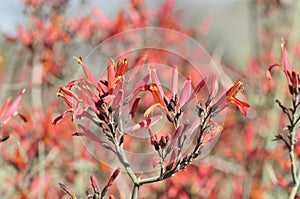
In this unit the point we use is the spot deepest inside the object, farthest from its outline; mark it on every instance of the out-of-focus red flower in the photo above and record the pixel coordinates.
(37, 132)
(25, 35)
(17, 161)
(292, 76)
(9, 110)
(1, 58)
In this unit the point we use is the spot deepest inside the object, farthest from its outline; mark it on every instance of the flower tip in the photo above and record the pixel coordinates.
(79, 60)
(239, 83)
(118, 171)
(111, 61)
(62, 185)
(283, 43)
(268, 74)
(244, 113)
(151, 109)
(134, 106)
(23, 117)
(94, 183)
(67, 190)
(3, 139)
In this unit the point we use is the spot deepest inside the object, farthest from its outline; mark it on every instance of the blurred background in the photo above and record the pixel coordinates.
(230, 21)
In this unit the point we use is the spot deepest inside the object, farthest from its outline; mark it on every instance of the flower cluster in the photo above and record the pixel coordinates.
(96, 191)
(102, 102)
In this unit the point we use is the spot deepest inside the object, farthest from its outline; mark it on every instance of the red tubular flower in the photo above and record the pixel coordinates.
(71, 110)
(171, 107)
(174, 138)
(291, 76)
(69, 92)
(155, 81)
(87, 99)
(110, 181)
(186, 92)
(110, 75)
(157, 95)
(198, 88)
(88, 94)
(144, 124)
(158, 98)
(87, 133)
(135, 105)
(121, 67)
(294, 77)
(230, 97)
(94, 183)
(67, 100)
(138, 65)
(8, 111)
(175, 80)
(90, 76)
(285, 65)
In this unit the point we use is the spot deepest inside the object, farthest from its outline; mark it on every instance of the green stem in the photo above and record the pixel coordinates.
(135, 191)
(292, 157)
(139, 182)
(124, 161)
(291, 150)
(295, 188)
(150, 180)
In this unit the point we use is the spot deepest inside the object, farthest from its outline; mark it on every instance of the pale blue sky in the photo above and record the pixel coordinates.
(10, 14)
(11, 11)
(230, 19)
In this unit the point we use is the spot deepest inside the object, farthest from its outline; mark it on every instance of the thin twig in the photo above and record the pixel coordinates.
(293, 125)
(135, 192)
(295, 187)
